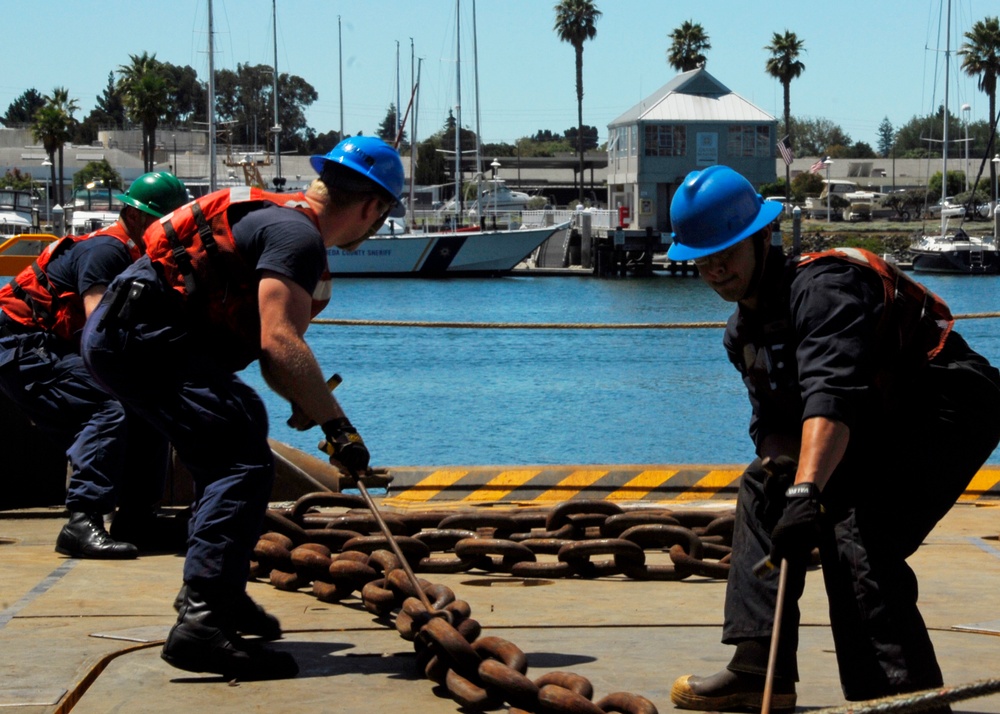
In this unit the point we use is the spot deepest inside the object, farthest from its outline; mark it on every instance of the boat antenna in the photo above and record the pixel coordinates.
(277, 123)
(459, 202)
(479, 160)
(340, 55)
(211, 102)
(413, 134)
(944, 136)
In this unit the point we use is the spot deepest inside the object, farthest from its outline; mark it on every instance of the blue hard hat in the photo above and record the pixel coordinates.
(369, 156)
(714, 209)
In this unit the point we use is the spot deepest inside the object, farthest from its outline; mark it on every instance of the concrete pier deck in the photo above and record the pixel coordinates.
(84, 636)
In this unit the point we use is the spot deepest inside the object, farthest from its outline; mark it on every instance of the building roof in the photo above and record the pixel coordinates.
(694, 96)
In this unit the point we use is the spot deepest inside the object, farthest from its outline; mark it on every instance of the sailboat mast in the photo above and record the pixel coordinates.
(479, 159)
(415, 91)
(944, 137)
(212, 183)
(340, 60)
(458, 114)
(277, 123)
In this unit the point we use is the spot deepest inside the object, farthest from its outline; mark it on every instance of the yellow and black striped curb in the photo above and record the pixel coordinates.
(551, 484)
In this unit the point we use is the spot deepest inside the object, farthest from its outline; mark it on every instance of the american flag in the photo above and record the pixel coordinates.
(818, 166)
(786, 151)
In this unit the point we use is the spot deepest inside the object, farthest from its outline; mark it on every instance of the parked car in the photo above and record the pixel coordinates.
(949, 207)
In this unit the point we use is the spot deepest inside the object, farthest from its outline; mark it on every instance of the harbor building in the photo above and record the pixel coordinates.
(691, 122)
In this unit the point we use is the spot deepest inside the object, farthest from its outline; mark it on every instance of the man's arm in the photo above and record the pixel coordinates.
(92, 298)
(286, 362)
(824, 442)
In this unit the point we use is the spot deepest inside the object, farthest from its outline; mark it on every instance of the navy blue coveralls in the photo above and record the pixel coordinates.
(812, 349)
(173, 365)
(114, 458)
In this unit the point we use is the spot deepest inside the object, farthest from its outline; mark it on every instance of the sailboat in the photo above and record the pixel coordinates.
(956, 252)
(461, 253)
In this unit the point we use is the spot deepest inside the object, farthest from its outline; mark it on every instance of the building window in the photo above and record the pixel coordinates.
(749, 140)
(633, 143)
(665, 140)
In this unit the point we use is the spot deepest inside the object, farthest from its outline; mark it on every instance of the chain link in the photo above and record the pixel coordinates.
(343, 554)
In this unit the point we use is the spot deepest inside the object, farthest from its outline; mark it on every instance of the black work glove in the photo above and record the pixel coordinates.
(797, 531)
(779, 474)
(346, 446)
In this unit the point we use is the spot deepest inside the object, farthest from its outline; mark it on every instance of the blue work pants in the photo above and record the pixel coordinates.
(900, 476)
(114, 457)
(216, 423)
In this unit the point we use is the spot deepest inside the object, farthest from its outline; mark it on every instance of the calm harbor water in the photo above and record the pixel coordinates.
(448, 396)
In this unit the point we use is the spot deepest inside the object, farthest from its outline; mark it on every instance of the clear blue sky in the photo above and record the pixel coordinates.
(865, 59)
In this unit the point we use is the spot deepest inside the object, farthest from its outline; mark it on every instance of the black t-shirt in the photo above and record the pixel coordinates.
(281, 240)
(88, 263)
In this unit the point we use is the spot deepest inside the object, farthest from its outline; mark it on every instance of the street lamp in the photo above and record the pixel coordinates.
(495, 165)
(996, 169)
(48, 193)
(829, 189)
(965, 110)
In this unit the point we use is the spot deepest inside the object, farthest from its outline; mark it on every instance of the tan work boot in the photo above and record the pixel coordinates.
(728, 690)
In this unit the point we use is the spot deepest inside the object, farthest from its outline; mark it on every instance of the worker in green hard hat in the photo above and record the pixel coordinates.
(871, 415)
(115, 460)
(233, 277)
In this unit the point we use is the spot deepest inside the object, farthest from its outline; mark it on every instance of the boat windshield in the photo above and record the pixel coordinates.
(15, 200)
(95, 199)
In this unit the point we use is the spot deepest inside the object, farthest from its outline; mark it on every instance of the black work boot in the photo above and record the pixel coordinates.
(204, 640)
(248, 617)
(85, 537)
(728, 690)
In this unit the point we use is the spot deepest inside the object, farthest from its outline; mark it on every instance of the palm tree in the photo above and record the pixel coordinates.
(981, 56)
(575, 24)
(784, 65)
(687, 51)
(145, 88)
(53, 128)
(48, 129)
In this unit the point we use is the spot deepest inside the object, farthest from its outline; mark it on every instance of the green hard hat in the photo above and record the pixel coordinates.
(156, 193)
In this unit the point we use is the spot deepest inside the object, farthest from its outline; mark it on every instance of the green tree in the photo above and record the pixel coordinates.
(53, 128)
(146, 89)
(981, 58)
(98, 171)
(861, 150)
(387, 129)
(17, 180)
(886, 137)
(432, 166)
(819, 137)
(956, 183)
(108, 113)
(246, 98)
(188, 100)
(784, 65)
(576, 22)
(323, 143)
(589, 137)
(687, 48)
(22, 110)
(48, 129)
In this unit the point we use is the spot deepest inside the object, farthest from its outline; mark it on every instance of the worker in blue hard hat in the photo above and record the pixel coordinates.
(233, 277)
(870, 417)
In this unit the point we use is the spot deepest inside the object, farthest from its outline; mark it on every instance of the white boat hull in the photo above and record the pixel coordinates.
(971, 256)
(480, 253)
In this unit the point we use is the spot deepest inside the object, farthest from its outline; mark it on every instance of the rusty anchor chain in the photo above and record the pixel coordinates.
(351, 553)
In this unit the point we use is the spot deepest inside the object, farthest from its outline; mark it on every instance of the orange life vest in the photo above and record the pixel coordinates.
(33, 301)
(915, 319)
(195, 250)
